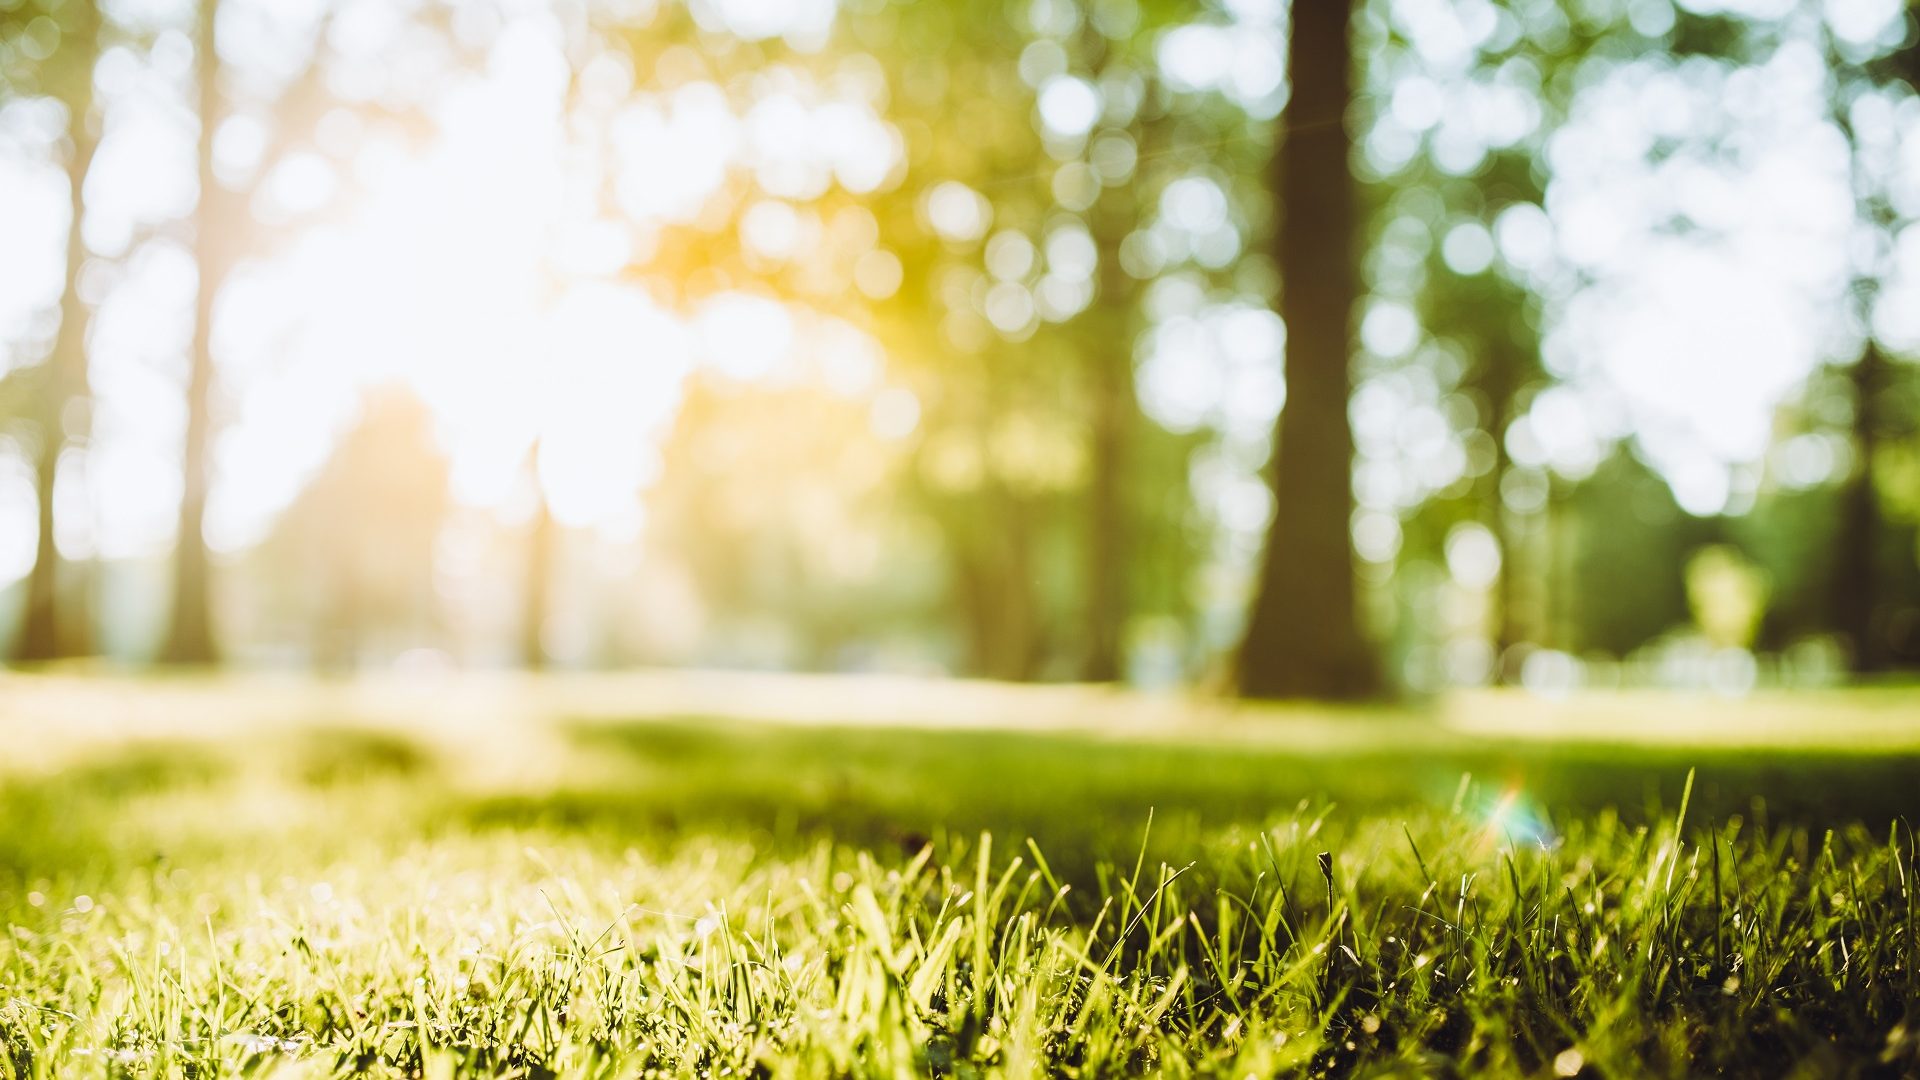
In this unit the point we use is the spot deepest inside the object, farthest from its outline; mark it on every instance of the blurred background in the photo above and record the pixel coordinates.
(948, 337)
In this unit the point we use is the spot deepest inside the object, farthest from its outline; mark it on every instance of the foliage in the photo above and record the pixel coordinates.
(353, 556)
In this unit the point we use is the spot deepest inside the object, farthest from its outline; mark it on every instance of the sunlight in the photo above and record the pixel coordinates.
(611, 386)
(746, 337)
(921, 537)
(674, 153)
(474, 276)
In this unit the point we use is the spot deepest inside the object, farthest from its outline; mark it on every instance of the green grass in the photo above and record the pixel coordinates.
(1351, 895)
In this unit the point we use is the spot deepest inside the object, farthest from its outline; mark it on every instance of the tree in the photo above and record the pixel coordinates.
(190, 633)
(353, 556)
(1858, 574)
(998, 435)
(45, 632)
(1495, 322)
(1304, 637)
(223, 239)
(536, 598)
(1109, 331)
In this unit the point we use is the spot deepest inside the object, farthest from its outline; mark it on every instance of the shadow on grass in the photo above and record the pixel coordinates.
(329, 757)
(1084, 800)
(58, 821)
(1080, 795)
(144, 803)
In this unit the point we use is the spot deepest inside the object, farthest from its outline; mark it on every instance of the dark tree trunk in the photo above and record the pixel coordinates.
(190, 633)
(39, 636)
(1856, 576)
(45, 632)
(1304, 638)
(1857, 580)
(1111, 389)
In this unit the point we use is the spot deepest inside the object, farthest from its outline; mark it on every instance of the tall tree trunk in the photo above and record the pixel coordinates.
(973, 587)
(1010, 631)
(536, 600)
(1565, 527)
(46, 634)
(1856, 573)
(190, 634)
(1004, 636)
(1106, 517)
(1111, 389)
(39, 635)
(1108, 334)
(1304, 638)
(1017, 639)
(1506, 624)
(1856, 579)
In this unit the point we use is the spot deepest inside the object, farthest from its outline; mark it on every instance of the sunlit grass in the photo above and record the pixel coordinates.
(730, 898)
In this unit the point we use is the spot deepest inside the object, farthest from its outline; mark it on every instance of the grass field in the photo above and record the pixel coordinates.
(789, 878)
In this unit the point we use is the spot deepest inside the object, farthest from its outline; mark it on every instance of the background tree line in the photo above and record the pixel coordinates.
(1038, 432)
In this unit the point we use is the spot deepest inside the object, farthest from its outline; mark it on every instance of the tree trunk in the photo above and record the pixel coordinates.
(1111, 389)
(1304, 638)
(1856, 576)
(1017, 639)
(1003, 632)
(536, 599)
(190, 635)
(39, 636)
(1009, 633)
(1106, 524)
(45, 634)
(1106, 341)
(1506, 624)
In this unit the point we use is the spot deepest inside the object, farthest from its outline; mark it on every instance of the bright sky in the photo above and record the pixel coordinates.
(481, 268)
(480, 271)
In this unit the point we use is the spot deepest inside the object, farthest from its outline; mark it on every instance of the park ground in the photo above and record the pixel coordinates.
(781, 876)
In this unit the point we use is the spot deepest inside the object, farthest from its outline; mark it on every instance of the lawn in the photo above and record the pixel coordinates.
(795, 878)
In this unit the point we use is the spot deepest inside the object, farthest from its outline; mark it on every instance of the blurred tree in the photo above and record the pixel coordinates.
(941, 263)
(1113, 50)
(998, 450)
(1862, 610)
(1485, 314)
(1493, 321)
(353, 557)
(1790, 536)
(1797, 530)
(1138, 536)
(1485, 310)
(536, 597)
(1304, 637)
(51, 625)
(294, 105)
(1625, 543)
(190, 632)
(777, 505)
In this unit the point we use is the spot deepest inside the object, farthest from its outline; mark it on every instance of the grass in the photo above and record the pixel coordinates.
(1347, 895)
